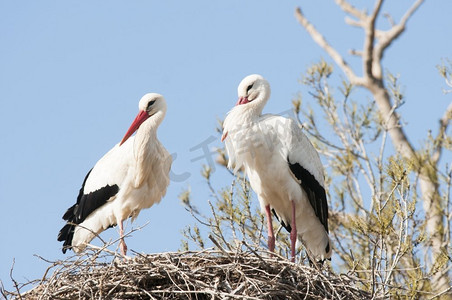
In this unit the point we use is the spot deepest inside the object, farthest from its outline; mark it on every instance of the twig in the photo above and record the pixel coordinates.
(16, 286)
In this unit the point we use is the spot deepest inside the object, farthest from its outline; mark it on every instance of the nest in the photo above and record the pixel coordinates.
(207, 274)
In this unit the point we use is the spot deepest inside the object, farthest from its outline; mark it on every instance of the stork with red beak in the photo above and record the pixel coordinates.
(132, 176)
(283, 167)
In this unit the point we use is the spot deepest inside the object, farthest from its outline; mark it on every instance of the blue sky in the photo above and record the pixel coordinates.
(72, 72)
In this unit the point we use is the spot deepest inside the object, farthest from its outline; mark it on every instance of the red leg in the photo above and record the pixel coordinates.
(271, 235)
(122, 243)
(293, 233)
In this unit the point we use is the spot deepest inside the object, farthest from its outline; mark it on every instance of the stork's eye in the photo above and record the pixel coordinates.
(150, 104)
(249, 88)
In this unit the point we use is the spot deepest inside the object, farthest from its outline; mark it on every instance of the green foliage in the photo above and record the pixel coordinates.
(445, 70)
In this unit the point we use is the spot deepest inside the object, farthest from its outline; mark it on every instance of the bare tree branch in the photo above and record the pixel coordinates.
(350, 9)
(369, 41)
(410, 12)
(320, 40)
(355, 52)
(390, 19)
(353, 22)
(387, 37)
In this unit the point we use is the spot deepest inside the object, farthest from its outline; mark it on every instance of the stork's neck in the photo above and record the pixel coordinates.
(146, 137)
(145, 145)
(252, 111)
(246, 114)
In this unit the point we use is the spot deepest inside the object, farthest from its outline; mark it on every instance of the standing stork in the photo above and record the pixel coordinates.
(132, 176)
(283, 167)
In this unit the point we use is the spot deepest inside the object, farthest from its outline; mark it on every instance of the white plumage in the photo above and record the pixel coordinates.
(283, 167)
(132, 176)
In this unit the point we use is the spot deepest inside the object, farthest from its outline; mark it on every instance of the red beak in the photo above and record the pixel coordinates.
(139, 119)
(225, 135)
(242, 100)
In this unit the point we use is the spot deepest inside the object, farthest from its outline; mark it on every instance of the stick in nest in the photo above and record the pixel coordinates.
(194, 275)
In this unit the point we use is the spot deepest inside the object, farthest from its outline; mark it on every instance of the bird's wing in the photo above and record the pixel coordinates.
(111, 169)
(304, 162)
(101, 183)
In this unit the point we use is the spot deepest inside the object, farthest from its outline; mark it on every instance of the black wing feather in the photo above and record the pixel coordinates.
(286, 226)
(86, 204)
(316, 192)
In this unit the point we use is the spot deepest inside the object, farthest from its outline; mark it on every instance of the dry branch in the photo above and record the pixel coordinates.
(205, 274)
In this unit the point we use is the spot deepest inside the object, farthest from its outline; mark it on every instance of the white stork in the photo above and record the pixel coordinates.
(132, 176)
(283, 167)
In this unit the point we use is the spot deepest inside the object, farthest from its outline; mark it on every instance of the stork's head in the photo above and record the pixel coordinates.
(254, 91)
(150, 104)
